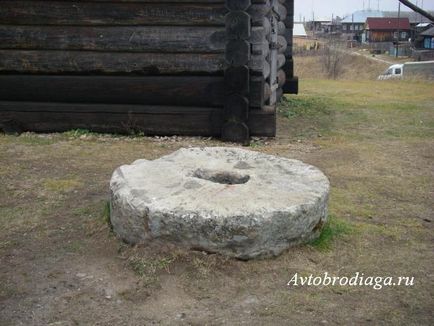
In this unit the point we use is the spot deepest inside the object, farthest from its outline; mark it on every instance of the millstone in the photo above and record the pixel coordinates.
(231, 201)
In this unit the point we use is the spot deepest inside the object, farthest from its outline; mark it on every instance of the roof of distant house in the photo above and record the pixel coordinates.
(323, 19)
(414, 17)
(299, 30)
(359, 17)
(387, 23)
(428, 32)
(423, 25)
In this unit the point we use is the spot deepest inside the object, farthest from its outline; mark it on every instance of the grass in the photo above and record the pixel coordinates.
(149, 268)
(62, 185)
(361, 110)
(303, 106)
(333, 230)
(372, 139)
(77, 133)
(95, 217)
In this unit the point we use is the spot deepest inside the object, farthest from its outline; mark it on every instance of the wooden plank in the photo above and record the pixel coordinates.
(150, 90)
(273, 52)
(291, 86)
(120, 13)
(89, 62)
(131, 39)
(151, 120)
(110, 13)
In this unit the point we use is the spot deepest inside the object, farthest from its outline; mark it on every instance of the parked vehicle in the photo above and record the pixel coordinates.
(424, 69)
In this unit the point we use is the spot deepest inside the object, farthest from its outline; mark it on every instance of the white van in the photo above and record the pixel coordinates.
(423, 69)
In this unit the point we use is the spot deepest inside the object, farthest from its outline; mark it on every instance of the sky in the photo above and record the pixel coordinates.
(327, 8)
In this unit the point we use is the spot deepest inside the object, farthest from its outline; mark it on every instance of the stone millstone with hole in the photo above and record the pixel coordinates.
(231, 201)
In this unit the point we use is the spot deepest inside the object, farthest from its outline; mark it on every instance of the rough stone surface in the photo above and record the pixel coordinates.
(232, 201)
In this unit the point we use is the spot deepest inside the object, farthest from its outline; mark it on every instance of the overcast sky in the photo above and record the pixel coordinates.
(325, 8)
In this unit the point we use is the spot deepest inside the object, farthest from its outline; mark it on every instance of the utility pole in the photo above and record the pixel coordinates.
(313, 23)
(397, 41)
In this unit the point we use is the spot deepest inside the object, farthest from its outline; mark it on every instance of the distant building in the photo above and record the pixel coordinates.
(428, 38)
(318, 24)
(414, 17)
(299, 30)
(386, 29)
(355, 23)
(422, 27)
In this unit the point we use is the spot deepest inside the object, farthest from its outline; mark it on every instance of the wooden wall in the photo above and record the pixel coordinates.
(159, 67)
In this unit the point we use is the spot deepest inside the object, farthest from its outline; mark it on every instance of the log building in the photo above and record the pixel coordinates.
(196, 67)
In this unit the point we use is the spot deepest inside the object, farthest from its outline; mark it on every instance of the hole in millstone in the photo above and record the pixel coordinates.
(223, 177)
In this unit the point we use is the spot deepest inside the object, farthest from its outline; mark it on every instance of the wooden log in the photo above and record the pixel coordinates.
(132, 39)
(151, 120)
(109, 13)
(281, 78)
(291, 86)
(282, 44)
(258, 90)
(152, 90)
(288, 67)
(89, 62)
(237, 75)
(237, 80)
(120, 13)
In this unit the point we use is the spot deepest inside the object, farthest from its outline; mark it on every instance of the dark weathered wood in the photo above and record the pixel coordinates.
(89, 62)
(238, 25)
(238, 54)
(59, 117)
(291, 86)
(237, 80)
(152, 90)
(117, 52)
(133, 39)
(201, 13)
(110, 13)
(236, 108)
(236, 131)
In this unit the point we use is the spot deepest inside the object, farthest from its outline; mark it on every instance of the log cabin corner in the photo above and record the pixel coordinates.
(197, 67)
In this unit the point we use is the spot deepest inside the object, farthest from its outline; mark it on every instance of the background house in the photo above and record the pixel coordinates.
(386, 29)
(355, 23)
(299, 30)
(428, 38)
(317, 25)
(414, 17)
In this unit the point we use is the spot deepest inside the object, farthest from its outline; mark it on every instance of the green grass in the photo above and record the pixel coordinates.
(303, 106)
(105, 215)
(361, 110)
(333, 229)
(34, 139)
(149, 268)
(62, 185)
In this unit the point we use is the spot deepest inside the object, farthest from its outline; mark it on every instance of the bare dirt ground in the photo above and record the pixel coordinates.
(61, 265)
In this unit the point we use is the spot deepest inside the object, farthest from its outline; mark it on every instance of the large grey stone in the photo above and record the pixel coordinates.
(232, 201)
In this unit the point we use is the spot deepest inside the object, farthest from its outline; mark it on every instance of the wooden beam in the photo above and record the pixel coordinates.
(153, 90)
(124, 119)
